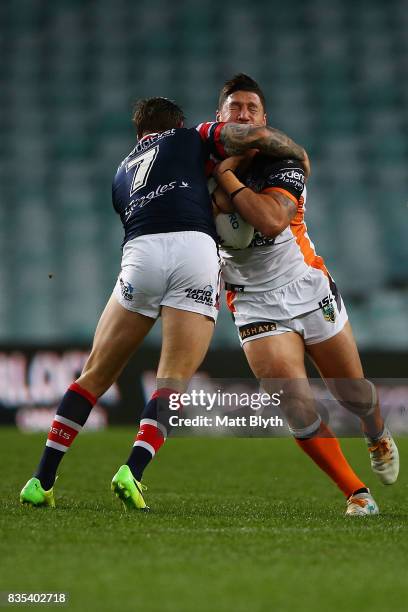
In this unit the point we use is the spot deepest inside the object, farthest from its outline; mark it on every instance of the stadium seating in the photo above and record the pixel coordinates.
(335, 78)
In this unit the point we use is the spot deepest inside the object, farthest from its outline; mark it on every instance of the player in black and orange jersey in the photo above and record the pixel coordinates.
(170, 268)
(286, 304)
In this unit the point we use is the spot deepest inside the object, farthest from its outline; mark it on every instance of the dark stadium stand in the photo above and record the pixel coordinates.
(335, 78)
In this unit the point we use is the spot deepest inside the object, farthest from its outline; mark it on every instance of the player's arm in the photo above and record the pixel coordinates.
(238, 138)
(270, 212)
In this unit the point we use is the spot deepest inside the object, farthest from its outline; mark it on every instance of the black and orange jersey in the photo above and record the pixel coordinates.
(270, 263)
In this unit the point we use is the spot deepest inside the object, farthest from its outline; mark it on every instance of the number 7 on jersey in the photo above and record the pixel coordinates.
(142, 165)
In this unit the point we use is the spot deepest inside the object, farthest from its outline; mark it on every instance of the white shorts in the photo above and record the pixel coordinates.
(177, 269)
(310, 306)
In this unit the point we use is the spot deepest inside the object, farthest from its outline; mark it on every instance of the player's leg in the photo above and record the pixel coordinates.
(189, 311)
(339, 364)
(118, 334)
(186, 338)
(278, 362)
(282, 357)
(338, 361)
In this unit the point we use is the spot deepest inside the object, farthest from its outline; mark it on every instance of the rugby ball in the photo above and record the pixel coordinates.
(212, 185)
(233, 231)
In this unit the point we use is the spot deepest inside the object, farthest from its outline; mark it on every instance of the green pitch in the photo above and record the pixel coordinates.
(236, 525)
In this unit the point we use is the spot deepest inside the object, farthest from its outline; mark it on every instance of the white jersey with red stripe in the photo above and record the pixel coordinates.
(271, 263)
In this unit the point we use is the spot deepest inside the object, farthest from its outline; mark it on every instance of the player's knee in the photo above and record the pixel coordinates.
(300, 415)
(359, 396)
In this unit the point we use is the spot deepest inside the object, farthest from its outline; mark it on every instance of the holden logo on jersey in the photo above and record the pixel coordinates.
(328, 309)
(149, 140)
(201, 296)
(126, 290)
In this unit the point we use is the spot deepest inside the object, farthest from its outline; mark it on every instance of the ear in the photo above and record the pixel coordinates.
(181, 124)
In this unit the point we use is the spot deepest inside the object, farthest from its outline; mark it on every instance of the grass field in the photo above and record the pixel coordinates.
(236, 525)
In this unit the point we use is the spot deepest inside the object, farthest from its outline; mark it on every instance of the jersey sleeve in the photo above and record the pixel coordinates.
(210, 133)
(287, 177)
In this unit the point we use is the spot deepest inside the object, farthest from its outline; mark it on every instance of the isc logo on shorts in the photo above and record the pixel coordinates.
(328, 309)
(201, 296)
(126, 290)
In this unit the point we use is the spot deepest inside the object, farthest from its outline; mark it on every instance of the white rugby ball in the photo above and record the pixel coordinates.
(212, 185)
(233, 231)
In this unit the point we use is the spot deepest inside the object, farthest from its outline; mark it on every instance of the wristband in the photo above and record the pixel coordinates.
(236, 192)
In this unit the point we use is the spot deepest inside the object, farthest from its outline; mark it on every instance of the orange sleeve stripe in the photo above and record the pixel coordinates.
(286, 193)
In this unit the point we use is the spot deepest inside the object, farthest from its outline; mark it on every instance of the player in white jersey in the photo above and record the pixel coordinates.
(286, 305)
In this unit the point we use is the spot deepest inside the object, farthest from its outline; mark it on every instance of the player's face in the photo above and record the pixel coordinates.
(242, 107)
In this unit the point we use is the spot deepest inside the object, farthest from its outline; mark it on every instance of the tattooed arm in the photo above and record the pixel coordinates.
(238, 138)
(270, 212)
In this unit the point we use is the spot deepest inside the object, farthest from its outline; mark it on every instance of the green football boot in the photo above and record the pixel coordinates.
(128, 489)
(34, 495)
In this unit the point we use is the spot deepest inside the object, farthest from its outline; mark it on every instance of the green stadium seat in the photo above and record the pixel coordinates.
(334, 77)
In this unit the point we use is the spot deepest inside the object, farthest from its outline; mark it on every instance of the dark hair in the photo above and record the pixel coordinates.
(156, 115)
(240, 82)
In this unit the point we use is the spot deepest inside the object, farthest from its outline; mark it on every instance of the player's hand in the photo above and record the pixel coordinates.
(231, 163)
(235, 162)
(221, 202)
(246, 160)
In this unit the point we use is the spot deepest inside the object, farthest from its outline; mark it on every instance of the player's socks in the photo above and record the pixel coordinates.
(152, 432)
(70, 417)
(373, 439)
(324, 449)
(372, 421)
(373, 425)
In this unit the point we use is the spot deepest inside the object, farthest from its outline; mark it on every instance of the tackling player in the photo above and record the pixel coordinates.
(169, 249)
(286, 304)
